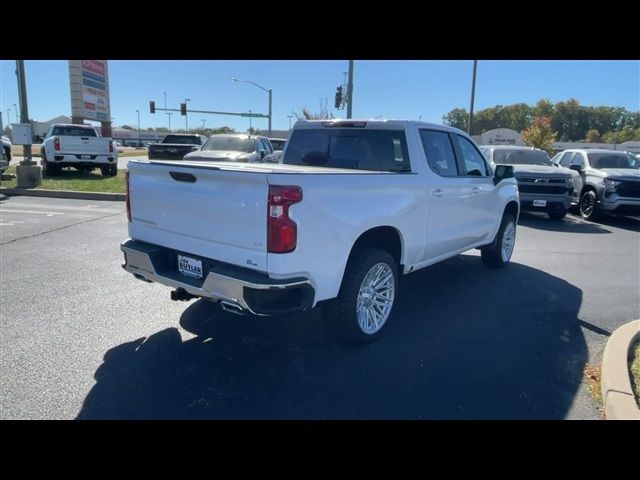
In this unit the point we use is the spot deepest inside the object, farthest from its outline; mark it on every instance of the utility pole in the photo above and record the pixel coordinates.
(350, 90)
(250, 127)
(204, 120)
(139, 136)
(29, 172)
(165, 99)
(289, 117)
(473, 95)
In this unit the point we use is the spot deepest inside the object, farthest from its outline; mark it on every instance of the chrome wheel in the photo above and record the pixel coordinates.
(375, 298)
(508, 241)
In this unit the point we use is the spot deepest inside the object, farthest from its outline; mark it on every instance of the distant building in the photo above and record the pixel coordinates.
(507, 136)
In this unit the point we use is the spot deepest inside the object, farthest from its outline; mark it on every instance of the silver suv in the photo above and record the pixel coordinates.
(608, 181)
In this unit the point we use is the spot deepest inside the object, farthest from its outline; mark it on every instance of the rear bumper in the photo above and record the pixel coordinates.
(251, 291)
(73, 159)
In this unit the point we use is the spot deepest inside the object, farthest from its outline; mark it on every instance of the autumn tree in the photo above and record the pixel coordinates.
(539, 134)
(593, 136)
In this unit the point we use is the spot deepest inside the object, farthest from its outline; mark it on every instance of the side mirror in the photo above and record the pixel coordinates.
(502, 172)
(576, 167)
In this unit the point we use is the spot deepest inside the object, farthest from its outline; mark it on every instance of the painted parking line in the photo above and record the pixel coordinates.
(48, 214)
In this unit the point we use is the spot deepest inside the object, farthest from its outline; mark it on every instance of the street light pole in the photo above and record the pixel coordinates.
(250, 127)
(165, 99)
(350, 90)
(186, 116)
(473, 95)
(268, 90)
(289, 117)
(139, 139)
(8, 116)
(204, 120)
(169, 117)
(18, 119)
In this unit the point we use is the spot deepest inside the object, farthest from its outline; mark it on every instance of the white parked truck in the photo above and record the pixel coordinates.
(78, 146)
(353, 206)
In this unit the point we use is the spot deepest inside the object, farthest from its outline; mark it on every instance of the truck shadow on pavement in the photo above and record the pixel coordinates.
(569, 224)
(465, 343)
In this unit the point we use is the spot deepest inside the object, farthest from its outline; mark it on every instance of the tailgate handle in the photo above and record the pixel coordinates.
(183, 177)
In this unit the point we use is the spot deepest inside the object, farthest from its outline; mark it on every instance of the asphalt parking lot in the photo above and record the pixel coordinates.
(81, 338)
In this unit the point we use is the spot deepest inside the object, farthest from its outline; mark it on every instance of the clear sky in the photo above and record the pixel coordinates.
(389, 89)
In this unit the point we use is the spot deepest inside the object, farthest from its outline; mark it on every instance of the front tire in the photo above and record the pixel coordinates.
(498, 254)
(588, 205)
(367, 295)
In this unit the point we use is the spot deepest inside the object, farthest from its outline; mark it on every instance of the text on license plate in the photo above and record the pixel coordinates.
(190, 266)
(85, 157)
(539, 203)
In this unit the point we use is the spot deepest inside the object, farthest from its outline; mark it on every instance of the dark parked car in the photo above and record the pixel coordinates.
(175, 146)
(235, 148)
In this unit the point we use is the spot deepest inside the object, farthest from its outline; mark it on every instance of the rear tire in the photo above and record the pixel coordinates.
(49, 170)
(498, 254)
(366, 299)
(109, 170)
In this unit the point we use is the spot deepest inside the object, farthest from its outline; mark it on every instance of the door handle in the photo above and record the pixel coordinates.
(437, 193)
(476, 190)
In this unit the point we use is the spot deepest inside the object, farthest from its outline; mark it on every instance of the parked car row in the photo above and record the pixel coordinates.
(594, 181)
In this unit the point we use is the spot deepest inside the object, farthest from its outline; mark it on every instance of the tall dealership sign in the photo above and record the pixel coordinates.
(89, 82)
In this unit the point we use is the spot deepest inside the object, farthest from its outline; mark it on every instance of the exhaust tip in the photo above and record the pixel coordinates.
(231, 307)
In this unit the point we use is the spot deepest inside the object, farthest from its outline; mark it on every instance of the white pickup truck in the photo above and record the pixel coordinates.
(352, 206)
(78, 146)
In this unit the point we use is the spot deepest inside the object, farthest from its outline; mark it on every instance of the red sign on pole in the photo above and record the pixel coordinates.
(94, 66)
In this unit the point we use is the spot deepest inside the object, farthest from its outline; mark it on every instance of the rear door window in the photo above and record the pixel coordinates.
(439, 151)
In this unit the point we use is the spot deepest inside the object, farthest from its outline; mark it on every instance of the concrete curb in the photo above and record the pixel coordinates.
(119, 197)
(615, 384)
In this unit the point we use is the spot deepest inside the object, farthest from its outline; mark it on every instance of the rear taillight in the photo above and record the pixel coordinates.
(56, 144)
(282, 232)
(110, 146)
(127, 198)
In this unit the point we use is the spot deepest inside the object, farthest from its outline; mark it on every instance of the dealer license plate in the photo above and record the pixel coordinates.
(190, 266)
(539, 203)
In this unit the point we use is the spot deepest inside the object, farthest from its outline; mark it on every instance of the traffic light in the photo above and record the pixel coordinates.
(183, 109)
(152, 107)
(338, 97)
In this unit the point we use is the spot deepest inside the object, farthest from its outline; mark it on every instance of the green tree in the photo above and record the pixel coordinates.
(593, 136)
(543, 108)
(517, 116)
(457, 118)
(627, 134)
(539, 134)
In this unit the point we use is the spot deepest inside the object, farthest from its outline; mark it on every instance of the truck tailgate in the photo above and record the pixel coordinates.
(84, 145)
(209, 212)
